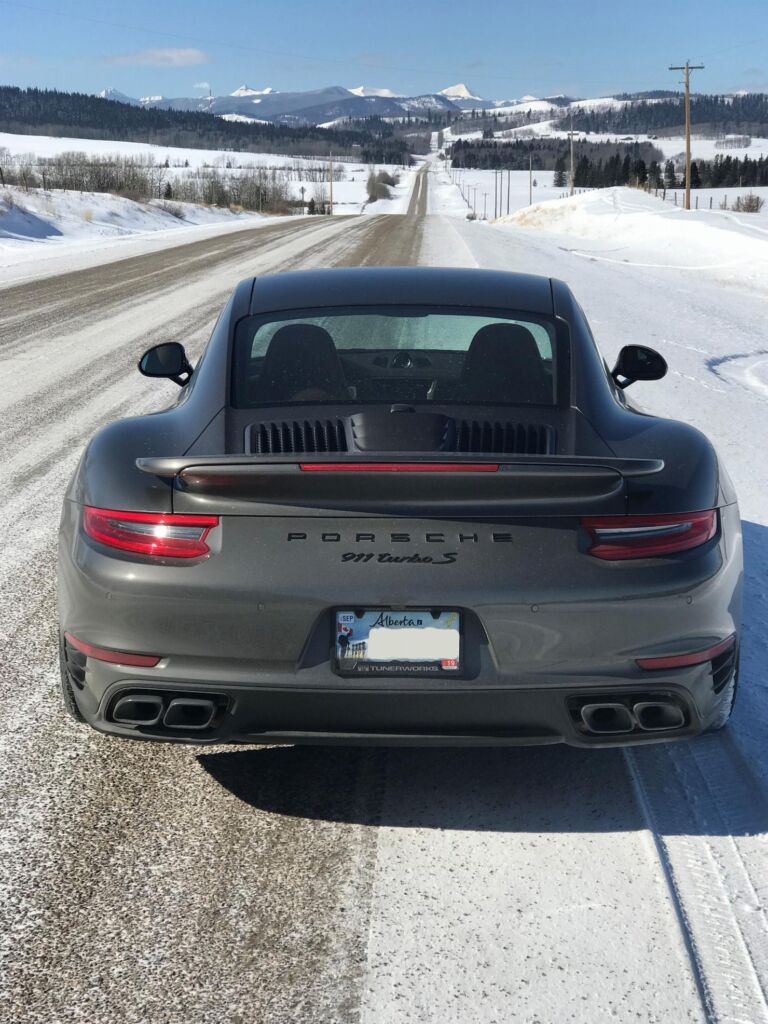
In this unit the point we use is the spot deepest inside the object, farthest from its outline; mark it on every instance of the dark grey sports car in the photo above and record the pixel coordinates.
(400, 506)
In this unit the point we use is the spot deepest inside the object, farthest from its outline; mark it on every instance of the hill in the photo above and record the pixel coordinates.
(50, 112)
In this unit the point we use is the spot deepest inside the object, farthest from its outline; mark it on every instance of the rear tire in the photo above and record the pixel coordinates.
(67, 691)
(726, 700)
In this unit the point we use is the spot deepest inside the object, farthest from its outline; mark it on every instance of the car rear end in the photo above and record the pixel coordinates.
(421, 521)
(565, 626)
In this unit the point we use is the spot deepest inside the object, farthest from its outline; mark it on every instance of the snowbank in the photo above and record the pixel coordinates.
(40, 226)
(636, 229)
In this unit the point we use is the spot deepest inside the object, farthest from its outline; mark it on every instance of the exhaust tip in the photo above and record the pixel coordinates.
(659, 716)
(138, 709)
(608, 718)
(189, 713)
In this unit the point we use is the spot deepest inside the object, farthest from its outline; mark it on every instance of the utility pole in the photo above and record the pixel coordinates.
(572, 174)
(485, 205)
(495, 194)
(330, 180)
(687, 68)
(509, 185)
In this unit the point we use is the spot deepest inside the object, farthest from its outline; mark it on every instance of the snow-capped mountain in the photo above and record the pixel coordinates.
(246, 90)
(369, 90)
(116, 96)
(316, 106)
(458, 92)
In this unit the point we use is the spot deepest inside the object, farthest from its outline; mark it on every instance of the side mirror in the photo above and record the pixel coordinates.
(636, 362)
(166, 360)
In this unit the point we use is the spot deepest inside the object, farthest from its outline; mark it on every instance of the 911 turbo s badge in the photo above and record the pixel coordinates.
(463, 538)
(385, 558)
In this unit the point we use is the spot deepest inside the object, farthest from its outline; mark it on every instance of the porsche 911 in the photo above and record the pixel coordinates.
(400, 506)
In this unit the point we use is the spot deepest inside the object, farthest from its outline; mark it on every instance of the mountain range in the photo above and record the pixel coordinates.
(317, 106)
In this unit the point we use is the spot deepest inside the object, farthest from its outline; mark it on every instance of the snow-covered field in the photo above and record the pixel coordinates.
(674, 146)
(349, 195)
(478, 187)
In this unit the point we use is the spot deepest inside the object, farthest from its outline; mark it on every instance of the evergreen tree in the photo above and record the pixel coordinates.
(559, 180)
(670, 178)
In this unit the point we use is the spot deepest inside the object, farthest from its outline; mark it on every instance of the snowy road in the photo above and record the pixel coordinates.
(323, 886)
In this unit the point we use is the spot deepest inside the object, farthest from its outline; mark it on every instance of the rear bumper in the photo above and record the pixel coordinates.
(252, 629)
(459, 716)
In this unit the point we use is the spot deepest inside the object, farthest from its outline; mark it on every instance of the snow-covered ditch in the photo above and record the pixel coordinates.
(48, 231)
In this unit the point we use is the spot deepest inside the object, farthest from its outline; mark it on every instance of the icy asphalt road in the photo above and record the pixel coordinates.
(163, 884)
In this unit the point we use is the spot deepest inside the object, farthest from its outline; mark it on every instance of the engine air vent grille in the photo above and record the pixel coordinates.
(290, 437)
(506, 438)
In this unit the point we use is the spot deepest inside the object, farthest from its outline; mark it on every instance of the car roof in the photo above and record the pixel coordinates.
(382, 286)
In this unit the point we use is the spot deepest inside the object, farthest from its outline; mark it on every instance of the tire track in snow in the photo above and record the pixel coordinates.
(708, 817)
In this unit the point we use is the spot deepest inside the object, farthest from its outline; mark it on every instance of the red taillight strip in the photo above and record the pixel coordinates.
(684, 660)
(399, 467)
(113, 657)
(620, 537)
(158, 534)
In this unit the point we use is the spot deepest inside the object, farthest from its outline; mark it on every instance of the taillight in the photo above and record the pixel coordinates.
(158, 534)
(112, 657)
(668, 661)
(620, 537)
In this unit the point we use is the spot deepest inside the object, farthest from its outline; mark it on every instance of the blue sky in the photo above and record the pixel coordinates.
(500, 49)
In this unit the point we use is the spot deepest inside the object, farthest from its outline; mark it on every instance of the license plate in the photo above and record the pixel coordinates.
(397, 642)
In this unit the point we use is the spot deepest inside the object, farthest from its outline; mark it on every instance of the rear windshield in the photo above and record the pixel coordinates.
(394, 354)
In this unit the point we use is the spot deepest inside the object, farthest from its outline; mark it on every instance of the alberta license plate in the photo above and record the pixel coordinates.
(397, 642)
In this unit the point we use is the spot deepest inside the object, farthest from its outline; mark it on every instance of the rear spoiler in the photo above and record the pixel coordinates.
(426, 484)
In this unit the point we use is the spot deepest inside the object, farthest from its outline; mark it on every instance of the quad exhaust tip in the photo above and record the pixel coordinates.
(189, 713)
(607, 718)
(658, 716)
(151, 709)
(138, 709)
(616, 717)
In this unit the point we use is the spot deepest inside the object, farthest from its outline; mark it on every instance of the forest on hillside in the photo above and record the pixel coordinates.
(490, 154)
(715, 115)
(78, 115)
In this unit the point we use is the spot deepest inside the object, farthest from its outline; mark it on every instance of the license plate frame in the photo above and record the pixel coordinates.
(366, 618)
